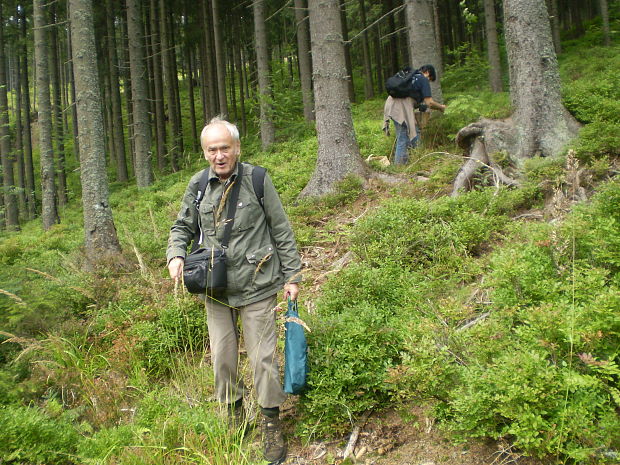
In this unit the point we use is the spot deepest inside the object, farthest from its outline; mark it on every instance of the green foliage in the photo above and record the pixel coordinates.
(351, 355)
(180, 326)
(592, 95)
(546, 376)
(468, 72)
(420, 235)
(28, 435)
(597, 228)
(597, 140)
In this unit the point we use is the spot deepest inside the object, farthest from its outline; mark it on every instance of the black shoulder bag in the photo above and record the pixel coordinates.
(204, 270)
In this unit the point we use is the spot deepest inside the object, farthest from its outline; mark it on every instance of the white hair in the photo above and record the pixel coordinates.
(232, 129)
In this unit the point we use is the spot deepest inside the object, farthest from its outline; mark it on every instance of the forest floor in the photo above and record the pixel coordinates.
(406, 435)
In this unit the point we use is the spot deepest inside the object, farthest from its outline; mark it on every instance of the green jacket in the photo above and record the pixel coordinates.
(262, 254)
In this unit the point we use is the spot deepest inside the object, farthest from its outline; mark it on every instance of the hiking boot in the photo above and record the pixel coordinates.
(273, 440)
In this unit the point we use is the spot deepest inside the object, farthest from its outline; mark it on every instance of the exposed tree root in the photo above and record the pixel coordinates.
(477, 140)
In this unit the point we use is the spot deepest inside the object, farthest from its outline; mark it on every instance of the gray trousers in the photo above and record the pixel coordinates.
(259, 333)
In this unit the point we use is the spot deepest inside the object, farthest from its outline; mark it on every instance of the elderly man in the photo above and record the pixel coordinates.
(401, 112)
(262, 259)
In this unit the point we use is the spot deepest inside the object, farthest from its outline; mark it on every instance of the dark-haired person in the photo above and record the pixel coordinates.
(401, 112)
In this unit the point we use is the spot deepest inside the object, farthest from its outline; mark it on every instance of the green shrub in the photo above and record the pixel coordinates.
(418, 235)
(597, 140)
(28, 435)
(180, 326)
(351, 355)
(543, 408)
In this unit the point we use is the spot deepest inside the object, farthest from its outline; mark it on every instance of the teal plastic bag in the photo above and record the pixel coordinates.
(295, 352)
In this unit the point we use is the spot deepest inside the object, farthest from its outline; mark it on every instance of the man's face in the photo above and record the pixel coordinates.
(220, 150)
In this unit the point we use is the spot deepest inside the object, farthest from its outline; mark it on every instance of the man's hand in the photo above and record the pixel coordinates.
(175, 268)
(291, 290)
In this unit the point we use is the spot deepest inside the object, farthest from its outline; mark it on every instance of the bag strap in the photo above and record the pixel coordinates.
(232, 206)
(258, 183)
(200, 193)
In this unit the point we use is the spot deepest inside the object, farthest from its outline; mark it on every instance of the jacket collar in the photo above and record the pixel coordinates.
(214, 177)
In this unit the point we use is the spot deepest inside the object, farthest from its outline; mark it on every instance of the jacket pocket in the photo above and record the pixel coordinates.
(263, 266)
(207, 218)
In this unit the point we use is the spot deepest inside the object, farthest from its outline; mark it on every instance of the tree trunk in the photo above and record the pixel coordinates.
(347, 50)
(19, 146)
(543, 124)
(388, 6)
(605, 18)
(220, 62)
(438, 40)
(142, 131)
(74, 119)
(166, 44)
(28, 161)
(160, 120)
(189, 58)
(495, 69)
(369, 91)
(49, 211)
(178, 133)
(240, 65)
(101, 241)
(211, 82)
(127, 89)
(267, 129)
(305, 59)
(117, 114)
(338, 153)
(422, 45)
(11, 211)
(57, 124)
(552, 5)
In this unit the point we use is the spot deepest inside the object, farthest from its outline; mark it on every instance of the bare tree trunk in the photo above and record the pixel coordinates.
(160, 123)
(178, 132)
(422, 45)
(437, 29)
(347, 50)
(495, 69)
(19, 146)
(605, 18)
(388, 5)
(543, 124)
(49, 211)
(212, 107)
(267, 129)
(369, 91)
(189, 58)
(28, 161)
(101, 241)
(8, 182)
(57, 124)
(142, 131)
(338, 154)
(552, 5)
(127, 90)
(305, 59)
(240, 70)
(166, 44)
(117, 114)
(74, 119)
(220, 65)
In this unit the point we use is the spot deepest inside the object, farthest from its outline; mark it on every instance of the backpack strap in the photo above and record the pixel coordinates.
(258, 183)
(200, 193)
